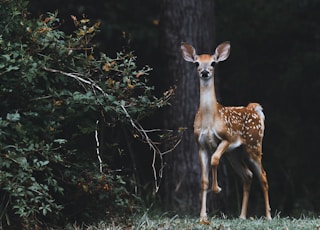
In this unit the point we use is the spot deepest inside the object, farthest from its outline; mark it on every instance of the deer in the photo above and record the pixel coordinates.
(219, 129)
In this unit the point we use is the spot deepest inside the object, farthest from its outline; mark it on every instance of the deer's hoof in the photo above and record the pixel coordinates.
(268, 217)
(204, 220)
(216, 189)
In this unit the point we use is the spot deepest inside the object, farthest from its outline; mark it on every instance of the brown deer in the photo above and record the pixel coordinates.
(219, 129)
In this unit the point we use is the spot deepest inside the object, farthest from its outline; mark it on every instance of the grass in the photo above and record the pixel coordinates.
(165, 223)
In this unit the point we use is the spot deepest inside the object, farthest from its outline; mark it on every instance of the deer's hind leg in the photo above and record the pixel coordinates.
(238, 164)
(256, 160)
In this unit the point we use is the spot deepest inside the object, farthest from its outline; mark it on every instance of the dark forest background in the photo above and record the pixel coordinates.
(275, 60)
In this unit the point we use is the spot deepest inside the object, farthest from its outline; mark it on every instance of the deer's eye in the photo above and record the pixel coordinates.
(197, 64)
(213, 64)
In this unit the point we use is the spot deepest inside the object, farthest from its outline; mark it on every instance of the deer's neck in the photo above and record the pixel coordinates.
(208, 102)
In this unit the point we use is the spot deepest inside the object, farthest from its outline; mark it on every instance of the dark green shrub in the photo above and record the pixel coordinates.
(59, 100)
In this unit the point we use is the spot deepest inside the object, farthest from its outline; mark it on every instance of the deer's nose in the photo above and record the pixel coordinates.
(205, 74)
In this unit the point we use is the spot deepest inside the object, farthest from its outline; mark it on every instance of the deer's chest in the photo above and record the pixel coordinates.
(208, 138)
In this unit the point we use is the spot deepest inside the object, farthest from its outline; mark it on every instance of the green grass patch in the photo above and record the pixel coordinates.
(185, 223)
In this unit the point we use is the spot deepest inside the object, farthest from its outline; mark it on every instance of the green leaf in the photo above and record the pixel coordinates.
(13, 117)
(11, 67)
(60, 141)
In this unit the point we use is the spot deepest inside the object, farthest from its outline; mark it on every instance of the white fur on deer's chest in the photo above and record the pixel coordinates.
(207, 138)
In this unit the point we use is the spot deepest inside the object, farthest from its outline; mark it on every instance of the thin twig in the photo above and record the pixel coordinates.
(73, 75)
(98, 147)
(153, 147)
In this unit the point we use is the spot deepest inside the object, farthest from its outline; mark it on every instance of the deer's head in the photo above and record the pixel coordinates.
(205, 62)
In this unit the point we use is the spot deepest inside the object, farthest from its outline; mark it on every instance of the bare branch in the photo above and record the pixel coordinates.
(136, 126)
(75, 76)
(98, 146)
(153, 147)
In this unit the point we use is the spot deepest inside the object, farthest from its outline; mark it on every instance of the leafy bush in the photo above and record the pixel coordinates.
(59, 101)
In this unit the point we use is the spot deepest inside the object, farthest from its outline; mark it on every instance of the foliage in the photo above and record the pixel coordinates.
(59, 98)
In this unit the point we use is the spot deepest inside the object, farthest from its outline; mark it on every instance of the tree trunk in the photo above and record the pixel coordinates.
(193, 22)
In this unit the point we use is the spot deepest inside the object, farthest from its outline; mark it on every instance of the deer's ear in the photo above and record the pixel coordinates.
(222, 52)
(188, 52)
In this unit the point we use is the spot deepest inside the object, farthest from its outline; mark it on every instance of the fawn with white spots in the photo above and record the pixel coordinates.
(219, 129)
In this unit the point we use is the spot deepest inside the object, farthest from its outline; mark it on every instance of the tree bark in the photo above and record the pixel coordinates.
(193, 22)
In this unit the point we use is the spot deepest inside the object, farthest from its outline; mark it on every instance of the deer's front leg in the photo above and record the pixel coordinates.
(222, 147)
(203, 155)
